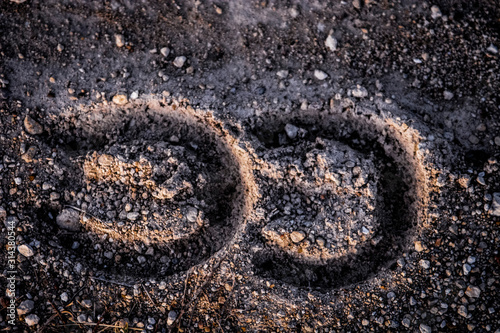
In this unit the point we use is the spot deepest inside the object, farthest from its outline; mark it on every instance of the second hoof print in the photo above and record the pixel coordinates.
(149, 191)
(346, 192)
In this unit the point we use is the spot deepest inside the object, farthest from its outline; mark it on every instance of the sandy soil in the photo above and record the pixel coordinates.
(249, 166)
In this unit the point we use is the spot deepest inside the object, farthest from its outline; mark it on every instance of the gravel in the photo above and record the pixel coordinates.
(25, 307)
(287, 166)
(26, 250)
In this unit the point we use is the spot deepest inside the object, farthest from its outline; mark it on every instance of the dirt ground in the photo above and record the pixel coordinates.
(250, 166)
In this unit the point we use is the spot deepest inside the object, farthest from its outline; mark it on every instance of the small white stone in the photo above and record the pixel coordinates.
(82, 318)
(320, 75)
(64, 297)
(134, 95)
(425, 264)
(424, 328)
(492, 49)
(466, 268)
(448, 95)
(291, 131)
(360, 92)
(60, 48)
(365, 231)
(331, 43)
(297, 236)
(32, 320)
(120, 99)
(141, 259)
(165, 51)
(179, 61)
(119, 40)
(172, 315)
(132, 216)
(435, 12)
(192, 214)
(282, 74)
(25, 250)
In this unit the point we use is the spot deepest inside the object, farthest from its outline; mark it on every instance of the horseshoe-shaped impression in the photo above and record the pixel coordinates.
(347, 191)
(155, 190)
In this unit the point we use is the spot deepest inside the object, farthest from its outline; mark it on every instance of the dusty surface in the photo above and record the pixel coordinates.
(250, 165)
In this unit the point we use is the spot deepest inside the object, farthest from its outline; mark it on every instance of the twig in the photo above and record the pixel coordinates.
(47, 323)
(113, 282)
(149, 296)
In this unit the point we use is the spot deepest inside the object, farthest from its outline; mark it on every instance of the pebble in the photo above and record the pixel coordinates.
(331, 43)
(474, 139)
(82, 318)
(473, 291)
(418, 246)
(435, 12)
(64, 297)
(60, 48)
(462, 310)
(360, 92)
(495, 204)
(320, 75)
(32, 320)
(481, 180)
(179, 61)
(132, 216)
(105, 160)
(3, 213)
(25, 307)
(134, 95)
(365, 322)
(291, 131)
(497, 140)
(141, 259)
(406, 322)
(68, 219)
(165, 51)
(424, 328)
(26, 250)
(192, 214)
(466, 269)
(448, 95)
(320, 241)
(297, 236)
(391, 295)
(172, 315)
(282, 74)
(32, 126)
(119, 40)
(120, 99)
(425, 264)
(492, 49)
